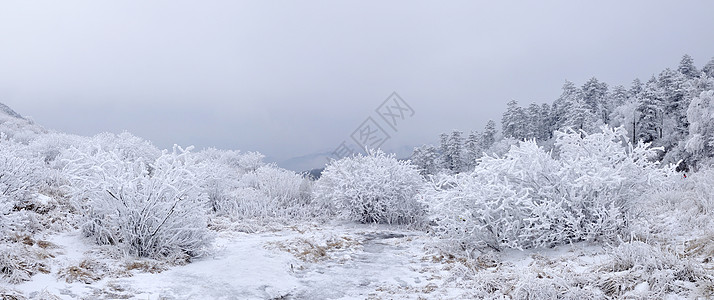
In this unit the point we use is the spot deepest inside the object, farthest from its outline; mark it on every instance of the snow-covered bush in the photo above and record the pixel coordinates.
(701, 129)
(241, 186)
(127, 146)
(48, 146)
(219, 173)
(702, 185)
(373, 188)
(286, 189)
(154, 214)
(17, 264)
(21, 175)
(251, 161)
(529, 198)
(638, 269)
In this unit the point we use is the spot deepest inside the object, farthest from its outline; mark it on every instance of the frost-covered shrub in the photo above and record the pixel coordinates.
(284, 188)
(373, 188)
(252, 204)
(154, 214)
(20, 129)
(18, 263)
(500, 147)
(219, 174)
(251, 161)
(700, 143)
(21, 176)
(702, 185)
(126, 146)
(48, 146)
(241, 186)
(271, 192)
(529, 198)
(638, 269)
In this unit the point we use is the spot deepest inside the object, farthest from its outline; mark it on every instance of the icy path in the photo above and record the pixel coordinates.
(355, 262)
(378, 262)
(341, 262)
(241, 269)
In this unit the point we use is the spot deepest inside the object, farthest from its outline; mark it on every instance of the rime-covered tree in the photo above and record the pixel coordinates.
(580, 117)
(513, 123)
(618, 96)
(444, 159)
(686, 67)
(473, 150)
(595, 96)
(488, 138)
(426, 159)
(547, 122)
(563, 104)
(649, 113)
(636, 89)
(534, 122)
(700, 115)
(455, 151)
(694, 87)
(672, 90)
(709, 68)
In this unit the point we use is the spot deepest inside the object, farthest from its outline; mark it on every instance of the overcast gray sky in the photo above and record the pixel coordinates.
(288, 78)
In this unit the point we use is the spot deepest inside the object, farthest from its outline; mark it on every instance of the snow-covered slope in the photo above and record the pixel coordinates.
(17, 127)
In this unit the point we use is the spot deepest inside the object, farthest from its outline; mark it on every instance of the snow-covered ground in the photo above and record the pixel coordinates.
(342, 261)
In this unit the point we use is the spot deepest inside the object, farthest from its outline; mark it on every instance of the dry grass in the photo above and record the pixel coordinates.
(312, 251)
(147, 266)
(701, 247)
(87, 272)
(20, 262)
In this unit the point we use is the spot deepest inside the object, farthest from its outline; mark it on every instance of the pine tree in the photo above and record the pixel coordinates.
(563, 104)
(595, 97)
(473, 149)
(635, 89)
(426, 158)
(671, 85)
(489, 135)
(513, 123)
(580, 117)
(455, 151)
(649, 111)
(618, 96)
(547, 125)
(709, 68)
(534, 121)
(693, 88)
(686, 67)
(444, 158)
(700, 114)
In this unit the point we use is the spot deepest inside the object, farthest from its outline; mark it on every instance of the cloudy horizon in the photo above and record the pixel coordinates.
(298, 78)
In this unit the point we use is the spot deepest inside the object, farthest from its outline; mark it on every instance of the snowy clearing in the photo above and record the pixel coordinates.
(345, 261)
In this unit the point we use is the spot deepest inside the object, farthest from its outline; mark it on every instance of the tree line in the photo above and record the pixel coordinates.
(672, 109)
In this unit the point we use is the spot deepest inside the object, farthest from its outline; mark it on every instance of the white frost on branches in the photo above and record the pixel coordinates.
(373, 188)
(149, 208)
(531, 198)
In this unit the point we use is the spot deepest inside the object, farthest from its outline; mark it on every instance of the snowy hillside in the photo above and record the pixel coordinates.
(15, 126)
(113, 217)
